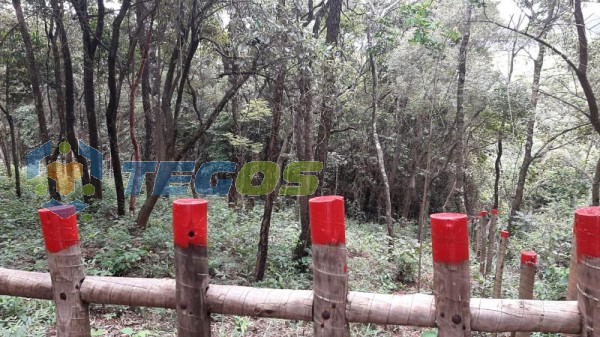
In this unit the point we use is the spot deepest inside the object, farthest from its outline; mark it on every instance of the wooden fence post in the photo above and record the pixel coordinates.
(500, 264)
(491, 241)
(587, 235)
(61, 237)
(330, 272)
(527, 280)
(191, 267)
(482, 236)
(451, 278)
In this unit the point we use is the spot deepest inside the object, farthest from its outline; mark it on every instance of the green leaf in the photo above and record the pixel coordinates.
(127, 331)
(429, 333)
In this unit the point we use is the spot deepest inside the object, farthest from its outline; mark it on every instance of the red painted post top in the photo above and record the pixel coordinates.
(59, 227)
(483, 214)
(189, 222)
(529, 257)
(495, 212)
(504, 234)
(327, 220)
(449, 238)
(587, 232)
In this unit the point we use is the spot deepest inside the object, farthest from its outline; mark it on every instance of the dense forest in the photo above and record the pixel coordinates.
(412, 107)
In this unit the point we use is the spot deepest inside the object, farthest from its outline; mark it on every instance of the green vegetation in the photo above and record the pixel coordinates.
(113, 246)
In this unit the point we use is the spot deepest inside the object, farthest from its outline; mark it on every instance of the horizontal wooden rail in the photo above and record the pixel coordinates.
(489, 315)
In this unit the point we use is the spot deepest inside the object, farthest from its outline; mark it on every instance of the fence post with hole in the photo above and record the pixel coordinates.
(587, 236)
(61, 238)
(330, 272)
(191, 267)
(451, 277)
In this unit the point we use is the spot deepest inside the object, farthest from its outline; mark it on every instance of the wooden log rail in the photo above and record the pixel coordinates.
(488, 315)
(330, 305)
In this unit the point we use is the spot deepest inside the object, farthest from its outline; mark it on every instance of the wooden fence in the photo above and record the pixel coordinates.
(330, 305)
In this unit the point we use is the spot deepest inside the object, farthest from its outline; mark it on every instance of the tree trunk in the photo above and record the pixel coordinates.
(458, 188)
(13, 133)
(15, 153)
(328, 107)
(379, 150)
(304, 152)
(90, 44)
(69, 90)
(32, 71)
(149, 94)
(5, 156)
(132, 135)
(497, 169)
(588, 90)
(273, 154)
(596, 185)
(527, 156)
(113, 106)
(329, 91)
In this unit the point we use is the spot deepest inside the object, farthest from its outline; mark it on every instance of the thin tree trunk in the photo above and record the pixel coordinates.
(90, 44)
(304, 151)
(329, 93)
(273, 153)
(132, 94)
(596, 185)
(5, 156)
(379, 150)
(32, 70)
(328, 107)
(527, 156)
(497, 169)
(15, 154)
(69, 89)
(458, 189)
(13, 133)
(148, 92)
(113, 106)
(581, 72)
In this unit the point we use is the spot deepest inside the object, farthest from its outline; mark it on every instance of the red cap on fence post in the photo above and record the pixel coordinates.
(504, 234)
(59, 227)
(483, 214)
(449, 238)
(189, 222)
(529, 257)
(327, 220)
(587, 232)
(495, 211)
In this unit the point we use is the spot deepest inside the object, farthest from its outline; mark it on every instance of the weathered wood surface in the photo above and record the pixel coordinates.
(491, 241)
(330, 291)
(483, 237)
(191, 273)
(588, 280)
(488, 315)
(452, 289)
(526, 283)
(497, 290)
(66, 272)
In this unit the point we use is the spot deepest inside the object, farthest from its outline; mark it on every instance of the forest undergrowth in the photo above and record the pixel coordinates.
(113, 246)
